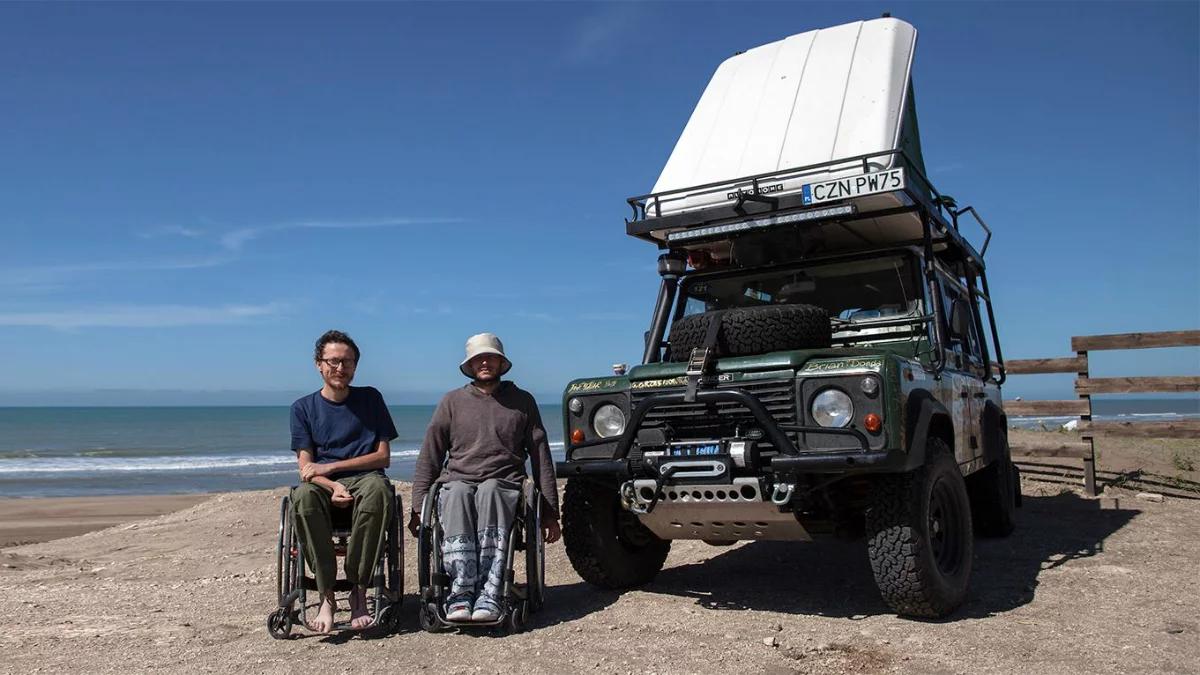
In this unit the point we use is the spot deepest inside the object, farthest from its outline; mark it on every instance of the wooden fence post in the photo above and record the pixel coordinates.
(1089, 462)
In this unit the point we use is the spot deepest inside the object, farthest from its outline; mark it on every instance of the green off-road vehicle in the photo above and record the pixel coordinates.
(822, 357)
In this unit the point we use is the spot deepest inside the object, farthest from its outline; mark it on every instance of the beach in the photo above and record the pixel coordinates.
(1078, 588)
(29, 521)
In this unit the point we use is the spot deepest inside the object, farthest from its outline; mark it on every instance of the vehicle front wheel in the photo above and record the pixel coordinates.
(919, 536)
(607, 545)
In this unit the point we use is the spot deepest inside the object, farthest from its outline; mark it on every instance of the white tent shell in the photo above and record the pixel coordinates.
(812, 98)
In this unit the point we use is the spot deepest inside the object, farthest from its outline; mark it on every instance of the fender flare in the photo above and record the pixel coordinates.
(993, 424)
(922, 411)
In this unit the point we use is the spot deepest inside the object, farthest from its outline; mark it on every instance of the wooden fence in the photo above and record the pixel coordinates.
(1087, 386)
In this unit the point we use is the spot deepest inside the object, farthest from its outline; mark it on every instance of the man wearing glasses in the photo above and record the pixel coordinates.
(341, 437)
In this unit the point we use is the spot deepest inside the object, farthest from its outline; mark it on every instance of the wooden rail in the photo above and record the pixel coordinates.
(1086, 386)
(1135, 385)
(1077, 364)
(1177, 338)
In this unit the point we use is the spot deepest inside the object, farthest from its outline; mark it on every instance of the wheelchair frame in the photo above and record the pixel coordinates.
(518, 600)
(292, 584)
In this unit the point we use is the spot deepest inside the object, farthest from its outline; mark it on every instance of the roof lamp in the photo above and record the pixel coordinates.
(759, 223)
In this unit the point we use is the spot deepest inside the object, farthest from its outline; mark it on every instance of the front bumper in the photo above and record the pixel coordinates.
(610, 457)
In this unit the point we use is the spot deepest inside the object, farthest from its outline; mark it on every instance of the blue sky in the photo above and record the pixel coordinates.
(191, 193)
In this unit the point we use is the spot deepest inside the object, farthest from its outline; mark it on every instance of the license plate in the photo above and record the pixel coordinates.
(696, 450)
(853, 186)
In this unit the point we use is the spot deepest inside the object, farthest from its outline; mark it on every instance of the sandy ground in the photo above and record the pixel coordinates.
(1078, 588)
(28, 521)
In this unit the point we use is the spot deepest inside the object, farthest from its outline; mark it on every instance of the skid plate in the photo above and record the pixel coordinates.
(717, 513)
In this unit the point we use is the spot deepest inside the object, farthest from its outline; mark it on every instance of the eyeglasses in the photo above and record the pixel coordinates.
(334, 364)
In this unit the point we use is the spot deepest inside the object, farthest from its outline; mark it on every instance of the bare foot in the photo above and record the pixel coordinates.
(359, 618)
(324, 621)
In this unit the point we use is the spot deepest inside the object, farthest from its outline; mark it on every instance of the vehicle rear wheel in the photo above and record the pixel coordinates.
(919, 536)
(993, 491)
(607, 545)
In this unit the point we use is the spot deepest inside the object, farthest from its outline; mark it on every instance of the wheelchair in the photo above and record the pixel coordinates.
(517, 600)
(384, 595)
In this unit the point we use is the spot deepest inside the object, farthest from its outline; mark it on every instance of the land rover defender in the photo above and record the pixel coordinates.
(822, 358)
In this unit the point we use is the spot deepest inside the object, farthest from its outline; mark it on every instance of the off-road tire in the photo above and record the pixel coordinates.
(746, 331)
(919, 536)
(689, 332)
(606, 545)
(993, 496)
(756, 330)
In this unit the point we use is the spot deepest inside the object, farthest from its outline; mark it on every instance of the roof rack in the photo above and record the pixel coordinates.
(885, 186)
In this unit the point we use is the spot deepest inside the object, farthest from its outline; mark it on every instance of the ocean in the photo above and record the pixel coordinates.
(71, 452)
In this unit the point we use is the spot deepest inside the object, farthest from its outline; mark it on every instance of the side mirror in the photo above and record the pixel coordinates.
(960, 320)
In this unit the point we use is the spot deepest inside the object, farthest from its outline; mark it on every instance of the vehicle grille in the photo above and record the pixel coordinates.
(684, 421)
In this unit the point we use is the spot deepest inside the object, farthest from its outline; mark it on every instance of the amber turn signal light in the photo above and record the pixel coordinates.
(577, 436)
(872, 423)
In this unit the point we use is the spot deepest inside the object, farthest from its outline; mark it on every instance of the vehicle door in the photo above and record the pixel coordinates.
(964, 369)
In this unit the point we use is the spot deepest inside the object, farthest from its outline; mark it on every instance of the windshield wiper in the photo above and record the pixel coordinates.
(844, 325)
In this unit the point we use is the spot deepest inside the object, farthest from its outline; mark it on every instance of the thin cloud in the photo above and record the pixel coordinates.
(237, 239)
(142, 316)
(536, 316)
(49, 277)
(598, 36)
(172, 231)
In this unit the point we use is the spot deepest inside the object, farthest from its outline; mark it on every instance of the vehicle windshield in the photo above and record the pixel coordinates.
(867, 299)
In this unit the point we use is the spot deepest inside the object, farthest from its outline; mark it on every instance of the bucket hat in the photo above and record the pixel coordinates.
(484, 343)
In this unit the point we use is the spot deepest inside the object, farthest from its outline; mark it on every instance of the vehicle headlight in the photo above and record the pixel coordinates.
(832, 408)
(608, 421)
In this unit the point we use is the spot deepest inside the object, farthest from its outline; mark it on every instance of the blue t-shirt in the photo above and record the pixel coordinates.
(337, 431)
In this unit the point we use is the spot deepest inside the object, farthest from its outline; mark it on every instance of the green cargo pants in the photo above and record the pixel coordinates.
(372, 510)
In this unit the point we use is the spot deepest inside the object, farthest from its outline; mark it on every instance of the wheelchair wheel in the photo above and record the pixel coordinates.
(283, 552)
(428, 595)
(395, 557)
(425, 545)
(516, 618)
(535, 555)
(298, 581)
(279, 623)
(428, 619)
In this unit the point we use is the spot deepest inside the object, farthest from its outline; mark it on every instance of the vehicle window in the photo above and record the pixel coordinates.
(695, 306)
(853, 292)
(967, 345)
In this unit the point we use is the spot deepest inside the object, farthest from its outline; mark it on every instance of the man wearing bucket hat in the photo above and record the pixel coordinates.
(476, 446)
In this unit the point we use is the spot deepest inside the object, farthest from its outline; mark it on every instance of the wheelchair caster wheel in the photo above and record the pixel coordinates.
(395, 617)
(427, 616)
(389, 621)
(279, 624)
(518, 615)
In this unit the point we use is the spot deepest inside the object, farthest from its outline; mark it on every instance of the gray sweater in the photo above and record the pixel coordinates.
(475, 436)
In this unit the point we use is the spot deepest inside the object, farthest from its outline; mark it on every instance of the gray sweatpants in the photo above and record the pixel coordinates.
(476, 518)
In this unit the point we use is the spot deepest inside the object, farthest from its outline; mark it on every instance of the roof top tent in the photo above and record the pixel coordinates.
(820, 126)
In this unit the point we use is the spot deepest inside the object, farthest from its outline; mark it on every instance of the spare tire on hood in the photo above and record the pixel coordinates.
(746, 331)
